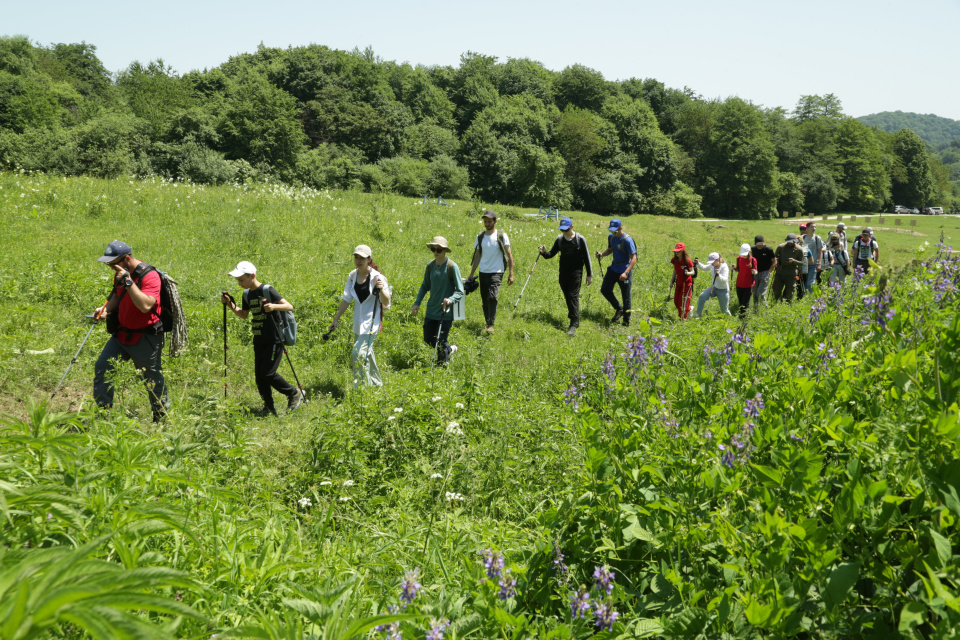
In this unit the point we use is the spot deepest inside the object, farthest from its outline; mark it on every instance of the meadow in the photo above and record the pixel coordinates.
(794, 475)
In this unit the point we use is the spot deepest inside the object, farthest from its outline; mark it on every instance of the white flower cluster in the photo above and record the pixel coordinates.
(452, 497)
(454, 429)
(305, 503)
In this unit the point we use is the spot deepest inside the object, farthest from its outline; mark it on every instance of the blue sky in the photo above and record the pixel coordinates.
(877, 55)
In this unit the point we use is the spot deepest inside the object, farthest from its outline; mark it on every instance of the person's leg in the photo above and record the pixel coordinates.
(789, 287)
(723, 297)
(743, 298)
(606, 289)
(570, 286)
(760, 289)
(103, 388)
(811, 279)
(702, 300)
(678, 298)
(778, 287)
(625, 290)
(799, 285)
(493, 290)
(364, 362)
(147, 358)
(484, 298)
(445, 349)
(687, 300)
(430, 328)
(262, 363)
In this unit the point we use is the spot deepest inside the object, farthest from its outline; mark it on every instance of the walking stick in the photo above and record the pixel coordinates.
(224, 351)
(96, 320)
(303, 394)
(525, 283)
(443, 313)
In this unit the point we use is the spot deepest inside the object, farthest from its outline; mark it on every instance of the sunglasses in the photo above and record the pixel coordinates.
(438, 249)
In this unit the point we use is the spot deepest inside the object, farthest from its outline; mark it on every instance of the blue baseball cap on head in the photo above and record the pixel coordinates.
(615, 224)
(114, 250)
(565, 223)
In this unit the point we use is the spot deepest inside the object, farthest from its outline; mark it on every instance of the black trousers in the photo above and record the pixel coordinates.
(266, 361)
(489, 291)
(570, 286)
(430, 329)
(743, 296)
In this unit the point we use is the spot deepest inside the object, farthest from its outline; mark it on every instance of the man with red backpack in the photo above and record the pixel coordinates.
(133, 318)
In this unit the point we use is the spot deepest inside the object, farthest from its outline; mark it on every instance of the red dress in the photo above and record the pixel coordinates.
(683, 294)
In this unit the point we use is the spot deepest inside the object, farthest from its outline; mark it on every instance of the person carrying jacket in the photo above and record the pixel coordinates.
(133, 317)
(574, 256)
(719, 284)
(442, 280)
(367, 288)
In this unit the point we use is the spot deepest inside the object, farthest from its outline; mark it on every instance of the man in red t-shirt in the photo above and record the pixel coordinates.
(135, 301)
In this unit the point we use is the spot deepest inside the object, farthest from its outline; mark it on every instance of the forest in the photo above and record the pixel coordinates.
(510, 132)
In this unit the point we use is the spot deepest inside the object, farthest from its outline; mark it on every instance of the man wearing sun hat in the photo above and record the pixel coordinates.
(574, 256)
(624, 251)
(442, 279)
(789, 259)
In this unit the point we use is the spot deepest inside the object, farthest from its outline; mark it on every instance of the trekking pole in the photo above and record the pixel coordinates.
(443, 312)
(224, 350)
(303, 394)
(525, 283)
(96, 320)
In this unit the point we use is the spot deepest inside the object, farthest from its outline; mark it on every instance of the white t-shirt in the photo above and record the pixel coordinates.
(366, 315)
(491, 260)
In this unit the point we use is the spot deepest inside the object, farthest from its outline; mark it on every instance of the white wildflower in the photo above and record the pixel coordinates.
(436, 398)
(391, 417)
(436, 476)
(454, 429)
(451, 496)
(325, 483)
(345, 498)
(348, 483)
(305, 503)
(459, 405)
(398, 410)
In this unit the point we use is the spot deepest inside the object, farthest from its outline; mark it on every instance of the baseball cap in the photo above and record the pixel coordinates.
(744, 249)
(114, 250)
(615, 224)
(243, 268)
(680, 247)
(791, 237)
(713, 257)
(842, 225)
(868, 230)
(490, 213)
(363, 251)
(565, 223)
(803, 226)
(758, 239)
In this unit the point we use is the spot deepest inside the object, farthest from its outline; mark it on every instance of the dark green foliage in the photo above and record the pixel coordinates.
(819, 190)
(934, 130)
(154, 93)
(582, 87)
(912, 179)
(863, 183)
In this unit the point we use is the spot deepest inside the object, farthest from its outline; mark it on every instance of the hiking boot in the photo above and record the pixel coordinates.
(616, 316)
(626, 320)
(159, 416)
(572, 331)
(490, 328)
(294, 401)
(264, 412)
(452, 349)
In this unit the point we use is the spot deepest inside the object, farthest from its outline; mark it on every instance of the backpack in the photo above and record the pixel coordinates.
(503, 247)
(473, 286)
(285, 321)
(172, 318)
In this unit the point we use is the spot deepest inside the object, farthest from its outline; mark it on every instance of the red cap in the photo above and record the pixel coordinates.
(680, 247)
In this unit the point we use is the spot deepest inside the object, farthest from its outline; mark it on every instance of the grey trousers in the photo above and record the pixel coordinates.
(146, 358)
(760, 283)
(365, 371)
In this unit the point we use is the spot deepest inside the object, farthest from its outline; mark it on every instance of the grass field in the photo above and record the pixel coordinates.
(333, 504)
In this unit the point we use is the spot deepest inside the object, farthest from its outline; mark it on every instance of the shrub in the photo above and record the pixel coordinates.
(410, 177)
(448, 179)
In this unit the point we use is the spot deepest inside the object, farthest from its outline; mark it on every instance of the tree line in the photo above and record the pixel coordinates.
(511, 132)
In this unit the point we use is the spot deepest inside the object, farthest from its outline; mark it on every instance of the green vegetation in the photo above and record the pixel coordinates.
(510, 132)
(836, 518)
(934, 130)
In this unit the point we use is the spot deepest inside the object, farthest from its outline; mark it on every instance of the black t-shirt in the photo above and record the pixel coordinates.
(362, 289)
(764, 257)
(574, 255)
(263, 326)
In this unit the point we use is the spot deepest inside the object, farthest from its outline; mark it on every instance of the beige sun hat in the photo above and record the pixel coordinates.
(439, 241)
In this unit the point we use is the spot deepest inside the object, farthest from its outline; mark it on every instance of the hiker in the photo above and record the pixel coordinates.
(262, 301)
(841, 231)
(574, 256)
(493, 256)
(789, 259)
(367, 288)
(865, 249)
(766, 262)
(682, 280)
(624, 251)
(746, 269)
(841, 259)
(133, 320)
(719, 284)
(442, 279)
(821, 257)
(801, 281)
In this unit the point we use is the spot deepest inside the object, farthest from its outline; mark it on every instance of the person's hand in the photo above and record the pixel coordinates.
(227, 299)
(819, 268)
(268, 307)
(100, 312)
(378, 284)
(510, 280)
(597, 253)
(589, 280)
(414, 310)
(624, 276)
(333, 325)
(446, 303)
(542, 249)
(753, 271)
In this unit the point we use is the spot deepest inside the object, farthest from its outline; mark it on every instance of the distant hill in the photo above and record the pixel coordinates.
(935, 130)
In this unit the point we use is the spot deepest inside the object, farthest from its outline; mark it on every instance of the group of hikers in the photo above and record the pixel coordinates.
(796, 265)
(137, 332)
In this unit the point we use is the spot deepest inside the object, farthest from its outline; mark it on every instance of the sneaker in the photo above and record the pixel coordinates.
(294, 401)
(572, 331)
(489, 328)
(264, 412)
(616, 316)
(452, 350)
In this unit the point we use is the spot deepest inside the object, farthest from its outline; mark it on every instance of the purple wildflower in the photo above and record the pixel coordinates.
(604, 578)
(493, 563)
(409, 587)
(563, 571)
(508, 586)
(659, 347)
(580, 604)
(605, 616)
(437, 627)
(572, 396)
(636, 355)
(753, 407)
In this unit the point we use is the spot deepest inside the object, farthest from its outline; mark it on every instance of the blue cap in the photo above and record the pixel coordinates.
(114, 250)
(615, 224)
(565, 223)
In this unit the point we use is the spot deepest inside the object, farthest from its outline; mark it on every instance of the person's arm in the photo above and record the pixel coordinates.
(336, 318)
(820, 258)
(723, 273)
(606, 252)
(143, 301)
(553, 250)
(509, 264)
(475, 261)
(458, 291)
(673, 278)
(280, 305)
(382, 289)
(585, 256)
(424, 288)
(227, 299)
(753, 265)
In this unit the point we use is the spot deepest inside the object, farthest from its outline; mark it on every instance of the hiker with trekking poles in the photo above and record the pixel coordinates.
(620, 272)
(264, 305)
(133, 313)
(574, 256)
(367, 288)
(442, 279)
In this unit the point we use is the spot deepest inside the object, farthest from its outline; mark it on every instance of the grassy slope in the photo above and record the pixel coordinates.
(520, 444)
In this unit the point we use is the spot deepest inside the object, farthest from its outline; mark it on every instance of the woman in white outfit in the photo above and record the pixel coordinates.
(367, 288)
(719, 285)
